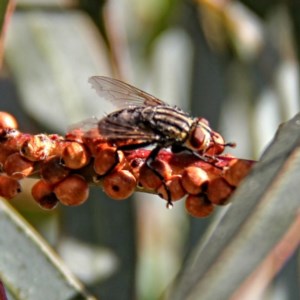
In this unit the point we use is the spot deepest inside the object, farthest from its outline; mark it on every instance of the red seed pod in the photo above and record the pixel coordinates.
(219, 191)
(119, 185)
(149, 180)
(7, 120)
(43, 194)
(237, 171)
(175, 188)
(72, 191)
(9, 187)
(37, 147)
(75, 155)
(108, 159)
(198, 206)
(193, 179)
(17, 167)
(53, 171)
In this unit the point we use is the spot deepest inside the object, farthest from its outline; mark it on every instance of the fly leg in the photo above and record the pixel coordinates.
(117, 161)
(111, 168)
(204, 157)
(148, 162)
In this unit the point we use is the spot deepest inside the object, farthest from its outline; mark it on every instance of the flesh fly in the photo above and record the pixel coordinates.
(143, 120)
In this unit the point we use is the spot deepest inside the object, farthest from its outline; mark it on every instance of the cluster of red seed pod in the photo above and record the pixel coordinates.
(66, 166)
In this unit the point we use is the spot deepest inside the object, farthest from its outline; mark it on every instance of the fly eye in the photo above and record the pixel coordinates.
(198, 138)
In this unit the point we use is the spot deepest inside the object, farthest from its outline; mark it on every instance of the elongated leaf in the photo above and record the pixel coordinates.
(6, 10)
(51, 55)
(263, 209)
(28, 267)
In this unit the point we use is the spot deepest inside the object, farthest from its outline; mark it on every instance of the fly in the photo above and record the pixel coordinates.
(143, 120)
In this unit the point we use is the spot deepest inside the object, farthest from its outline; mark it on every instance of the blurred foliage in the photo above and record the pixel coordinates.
(232, 62)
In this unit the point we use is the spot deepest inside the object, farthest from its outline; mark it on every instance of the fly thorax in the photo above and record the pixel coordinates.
(147, 113)
(169, 122)
(127, 116)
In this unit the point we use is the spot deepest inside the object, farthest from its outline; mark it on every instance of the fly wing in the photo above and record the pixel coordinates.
(114, 130)
(122, 94)
(84, 125)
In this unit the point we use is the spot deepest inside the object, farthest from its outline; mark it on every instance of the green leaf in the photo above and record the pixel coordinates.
(263, 209)
(29, 269)
(52, 54)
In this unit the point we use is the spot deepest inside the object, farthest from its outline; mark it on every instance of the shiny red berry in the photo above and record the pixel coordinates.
(72, 191)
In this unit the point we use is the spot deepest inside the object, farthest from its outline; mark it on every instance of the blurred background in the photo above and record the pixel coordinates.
(234, 63)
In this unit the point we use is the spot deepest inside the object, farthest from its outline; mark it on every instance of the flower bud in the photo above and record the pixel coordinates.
(193, 179)
(237, 171)
(135, 166)
(219, 191)
(94, 141)
(75, 135)
(17, 167)
(119, 185)
(37, 147)
(12, 140)
(53, 171)
(7, 120)
(4, 154)
(43, 194)
(107, 159)
(174, 186)
(198, 206)
(75, 156)
(72, 191)
(9, 187)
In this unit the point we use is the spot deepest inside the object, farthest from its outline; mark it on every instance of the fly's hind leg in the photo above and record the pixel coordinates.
(148, 162)
(151, 157)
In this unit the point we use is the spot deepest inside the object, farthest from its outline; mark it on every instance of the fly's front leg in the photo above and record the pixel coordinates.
(212, 160)
(148, 162)
(151, 157)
